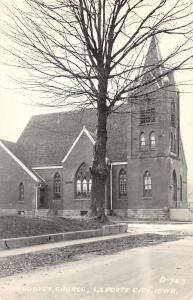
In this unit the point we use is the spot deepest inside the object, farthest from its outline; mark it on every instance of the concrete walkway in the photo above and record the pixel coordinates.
(44, 247)
(133, 229)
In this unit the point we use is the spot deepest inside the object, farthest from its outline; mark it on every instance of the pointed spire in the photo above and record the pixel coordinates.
(153, 57)
(153, 65)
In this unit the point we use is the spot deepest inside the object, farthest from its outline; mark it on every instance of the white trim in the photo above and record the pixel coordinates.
(119, 163)
(38, 175)
(30, 173)
(84, 130)
(47, 167)
(89, 135)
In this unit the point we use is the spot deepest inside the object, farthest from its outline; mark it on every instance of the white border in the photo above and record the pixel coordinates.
(84, 130)
(30, 173)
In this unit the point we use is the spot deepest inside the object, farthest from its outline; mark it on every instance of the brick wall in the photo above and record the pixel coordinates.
(11, 175)
(159, 169)
(82, 152)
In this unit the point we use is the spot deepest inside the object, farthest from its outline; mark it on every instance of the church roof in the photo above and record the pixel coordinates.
(48, 137)
(11, 149)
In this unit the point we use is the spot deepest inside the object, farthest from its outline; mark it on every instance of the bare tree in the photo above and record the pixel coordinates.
(90, 53)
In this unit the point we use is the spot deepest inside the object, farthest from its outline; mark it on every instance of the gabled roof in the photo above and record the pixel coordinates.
(83, 131)
(47, 138)
(5, 145)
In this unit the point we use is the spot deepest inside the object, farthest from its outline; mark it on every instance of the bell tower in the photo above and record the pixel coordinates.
(153, 139)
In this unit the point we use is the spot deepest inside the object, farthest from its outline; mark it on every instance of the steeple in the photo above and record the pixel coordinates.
(153, 62)
(153, 57)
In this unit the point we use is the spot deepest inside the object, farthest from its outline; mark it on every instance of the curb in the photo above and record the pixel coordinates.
(57, 237)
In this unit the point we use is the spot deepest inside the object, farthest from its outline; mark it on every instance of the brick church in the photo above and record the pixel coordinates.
(47, 171)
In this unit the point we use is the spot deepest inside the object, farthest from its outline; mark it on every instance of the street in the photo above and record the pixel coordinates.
(163, 271)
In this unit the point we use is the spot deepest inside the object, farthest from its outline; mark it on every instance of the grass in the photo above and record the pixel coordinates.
(20, 226)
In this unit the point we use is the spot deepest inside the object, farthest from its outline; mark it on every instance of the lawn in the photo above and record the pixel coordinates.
(18, 226)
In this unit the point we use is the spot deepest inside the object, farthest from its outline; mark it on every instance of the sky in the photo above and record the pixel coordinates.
(15, 110)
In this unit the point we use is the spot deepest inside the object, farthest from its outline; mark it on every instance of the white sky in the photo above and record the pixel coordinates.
(15, 113)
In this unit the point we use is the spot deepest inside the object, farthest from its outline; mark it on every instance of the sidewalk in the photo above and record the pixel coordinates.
(44, 247)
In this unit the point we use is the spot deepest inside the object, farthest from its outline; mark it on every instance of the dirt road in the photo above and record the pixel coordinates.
(163, 271)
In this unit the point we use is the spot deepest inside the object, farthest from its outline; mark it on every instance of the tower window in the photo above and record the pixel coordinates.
(142, 141)
(152, 140)
(83, 182)
(173, 114)
(57, 186)
(147, 115)
(147, 185)
(181, 191)
(21, 192)
(122, 183)
(173, 143)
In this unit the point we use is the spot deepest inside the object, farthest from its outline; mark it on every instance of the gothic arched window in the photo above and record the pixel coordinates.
(152, 140)
(142, 141)
(122, 183)
(172, 142)
(174, 188)
(173, 114)
(57, 186)
(83, 181)
(90, 185)
(181, 191)
(21, 192)
(147, 185)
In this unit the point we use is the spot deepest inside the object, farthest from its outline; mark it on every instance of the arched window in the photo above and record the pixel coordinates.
(181, 186)
(147, 185)
(57, 186)
(174, 188)
(21, 192)
(83, 182)
(173, 114)
(78, 186)
(142, 141)
(122, 183)
(84, 186)
(152, 140)
(90, 185)
(172, 142)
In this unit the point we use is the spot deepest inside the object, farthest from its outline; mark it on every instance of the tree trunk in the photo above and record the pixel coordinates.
(99, 168)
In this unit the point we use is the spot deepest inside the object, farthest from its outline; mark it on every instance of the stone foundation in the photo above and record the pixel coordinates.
(143, 214)
(71, 213)
(17, 212)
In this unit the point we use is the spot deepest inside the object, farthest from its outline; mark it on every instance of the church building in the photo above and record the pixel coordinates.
(47, 171)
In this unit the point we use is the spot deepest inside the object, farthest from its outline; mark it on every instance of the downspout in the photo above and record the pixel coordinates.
(36, 199)
(111, 189)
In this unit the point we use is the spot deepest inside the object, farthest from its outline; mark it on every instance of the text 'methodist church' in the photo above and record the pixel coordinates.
(47, 171)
